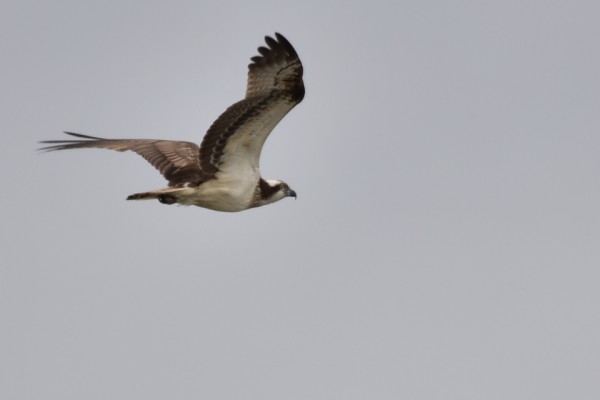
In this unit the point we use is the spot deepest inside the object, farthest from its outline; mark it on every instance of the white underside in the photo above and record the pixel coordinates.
(221, 194)
(216, 196)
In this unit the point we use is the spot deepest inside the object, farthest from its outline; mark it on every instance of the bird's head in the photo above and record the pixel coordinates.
(270, 190)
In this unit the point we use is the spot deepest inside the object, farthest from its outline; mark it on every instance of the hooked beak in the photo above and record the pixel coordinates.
(291, 193)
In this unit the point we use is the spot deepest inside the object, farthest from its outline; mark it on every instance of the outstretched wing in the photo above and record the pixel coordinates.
(178, 162)
(234, 141)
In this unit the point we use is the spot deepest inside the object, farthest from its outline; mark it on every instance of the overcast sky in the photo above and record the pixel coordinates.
(445, 243)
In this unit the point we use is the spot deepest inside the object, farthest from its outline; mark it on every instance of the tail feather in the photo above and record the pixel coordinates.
(165, 196)
(143, 196)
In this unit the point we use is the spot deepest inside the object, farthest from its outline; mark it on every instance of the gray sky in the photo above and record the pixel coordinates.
(445, 240)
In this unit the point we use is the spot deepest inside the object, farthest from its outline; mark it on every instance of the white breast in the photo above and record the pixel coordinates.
(228, 192)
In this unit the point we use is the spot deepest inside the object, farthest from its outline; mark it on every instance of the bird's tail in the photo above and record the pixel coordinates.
(165, 196)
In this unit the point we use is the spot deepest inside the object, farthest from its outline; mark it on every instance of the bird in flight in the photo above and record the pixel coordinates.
(222, 173)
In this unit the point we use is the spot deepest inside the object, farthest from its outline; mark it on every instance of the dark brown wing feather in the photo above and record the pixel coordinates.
(178, 162)
(277, 68)
(275, 86)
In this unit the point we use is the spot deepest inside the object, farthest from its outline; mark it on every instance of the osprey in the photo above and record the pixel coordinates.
(222, 173)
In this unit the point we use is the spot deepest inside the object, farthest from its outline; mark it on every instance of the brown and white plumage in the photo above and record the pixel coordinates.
(223, 172)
